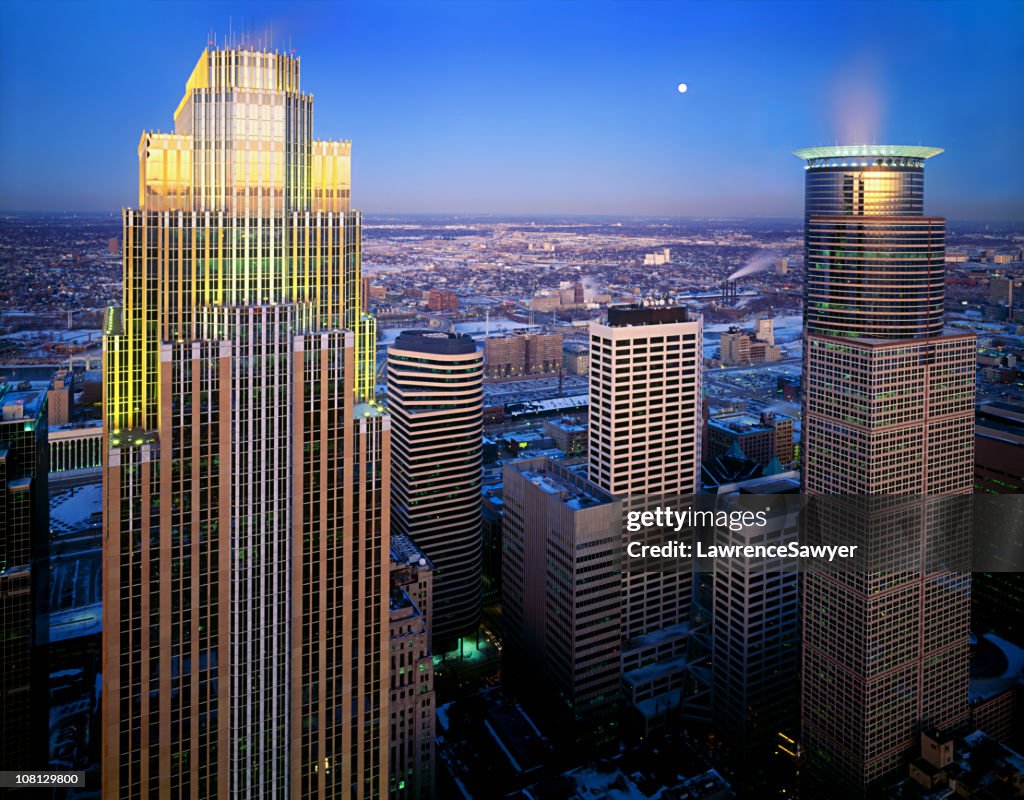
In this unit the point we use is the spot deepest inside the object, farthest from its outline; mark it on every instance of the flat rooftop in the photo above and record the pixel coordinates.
(573, 496)
(636, 314)
(76, 509)
(998, 420)
(743, 422)
(30, 395)
(570, 426)
(403, 551)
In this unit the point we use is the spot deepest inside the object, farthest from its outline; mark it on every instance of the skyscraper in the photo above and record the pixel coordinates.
(888, 411)
(756, 630)
(645, 368)
(435, 397)
(561, 593)
(645, 427)
(246, 496)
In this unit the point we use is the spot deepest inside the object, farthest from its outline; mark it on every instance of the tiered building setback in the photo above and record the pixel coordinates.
(246, 495)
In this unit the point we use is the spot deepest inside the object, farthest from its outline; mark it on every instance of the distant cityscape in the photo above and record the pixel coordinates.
(335, 509)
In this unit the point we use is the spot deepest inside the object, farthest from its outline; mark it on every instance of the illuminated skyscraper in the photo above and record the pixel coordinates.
(889, 410)
(246, 493)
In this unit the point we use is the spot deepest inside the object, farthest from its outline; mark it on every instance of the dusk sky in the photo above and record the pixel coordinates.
(546, 107)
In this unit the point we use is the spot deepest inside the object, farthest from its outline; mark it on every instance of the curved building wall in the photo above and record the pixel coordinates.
(875, 277)
(435, 395)
(870, 190)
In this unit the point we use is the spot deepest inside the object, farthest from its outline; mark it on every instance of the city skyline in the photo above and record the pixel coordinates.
(502, 109)
(675, 475)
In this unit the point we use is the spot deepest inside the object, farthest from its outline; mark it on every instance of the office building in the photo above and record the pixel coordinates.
(60, 398)
(645, 400)
(738, 348)
(756, 625)
(411, 740)
(505, 356)
(761, 437)
(1000, 291)
(645, 430)
(998, 596)
(576, 358)
(523, 354)
(734, 346)
(888, 410)
(561, 592)
(762, 352)
(999, 448)
(435, 396)
(245, 479)
(658, 258)
(24, 510)
(568, 434)
(442, 300)
(543, 353)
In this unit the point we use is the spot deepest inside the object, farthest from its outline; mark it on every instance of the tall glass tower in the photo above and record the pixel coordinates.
(888, 424)
(246, 487)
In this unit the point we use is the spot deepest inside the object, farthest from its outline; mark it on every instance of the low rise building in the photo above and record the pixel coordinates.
(761, 437)
(442, 300)
(568, 434)
(576, 358)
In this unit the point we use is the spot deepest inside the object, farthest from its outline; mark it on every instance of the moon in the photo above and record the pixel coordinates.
(682, 88)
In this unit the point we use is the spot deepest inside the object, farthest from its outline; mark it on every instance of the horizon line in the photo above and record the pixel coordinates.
(524, 215)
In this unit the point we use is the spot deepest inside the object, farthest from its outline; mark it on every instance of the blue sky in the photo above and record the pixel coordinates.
(546, 107)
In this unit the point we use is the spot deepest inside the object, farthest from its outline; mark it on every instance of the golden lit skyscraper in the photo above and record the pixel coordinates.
(888, 422)
(246, 489)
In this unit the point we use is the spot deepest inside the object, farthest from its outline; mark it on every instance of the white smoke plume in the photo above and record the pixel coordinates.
(758, 263)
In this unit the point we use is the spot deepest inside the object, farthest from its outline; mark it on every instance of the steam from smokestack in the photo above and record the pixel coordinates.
(758, 263)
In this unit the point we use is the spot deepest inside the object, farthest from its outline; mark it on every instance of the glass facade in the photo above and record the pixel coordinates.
(245, 475)
(888, 410)
(875, 263)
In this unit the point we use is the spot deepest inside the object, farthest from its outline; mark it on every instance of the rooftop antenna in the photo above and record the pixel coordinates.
(231, 32)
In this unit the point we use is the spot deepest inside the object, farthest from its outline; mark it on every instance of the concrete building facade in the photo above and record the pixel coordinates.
(412, 704)
(435, 396)
(561, 588)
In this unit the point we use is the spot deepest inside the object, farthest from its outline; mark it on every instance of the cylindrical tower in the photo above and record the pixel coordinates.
(435, 395)
(875, 264)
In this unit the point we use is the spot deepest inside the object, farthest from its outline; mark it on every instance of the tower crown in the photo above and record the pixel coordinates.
(866, 155)
(233, 68)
